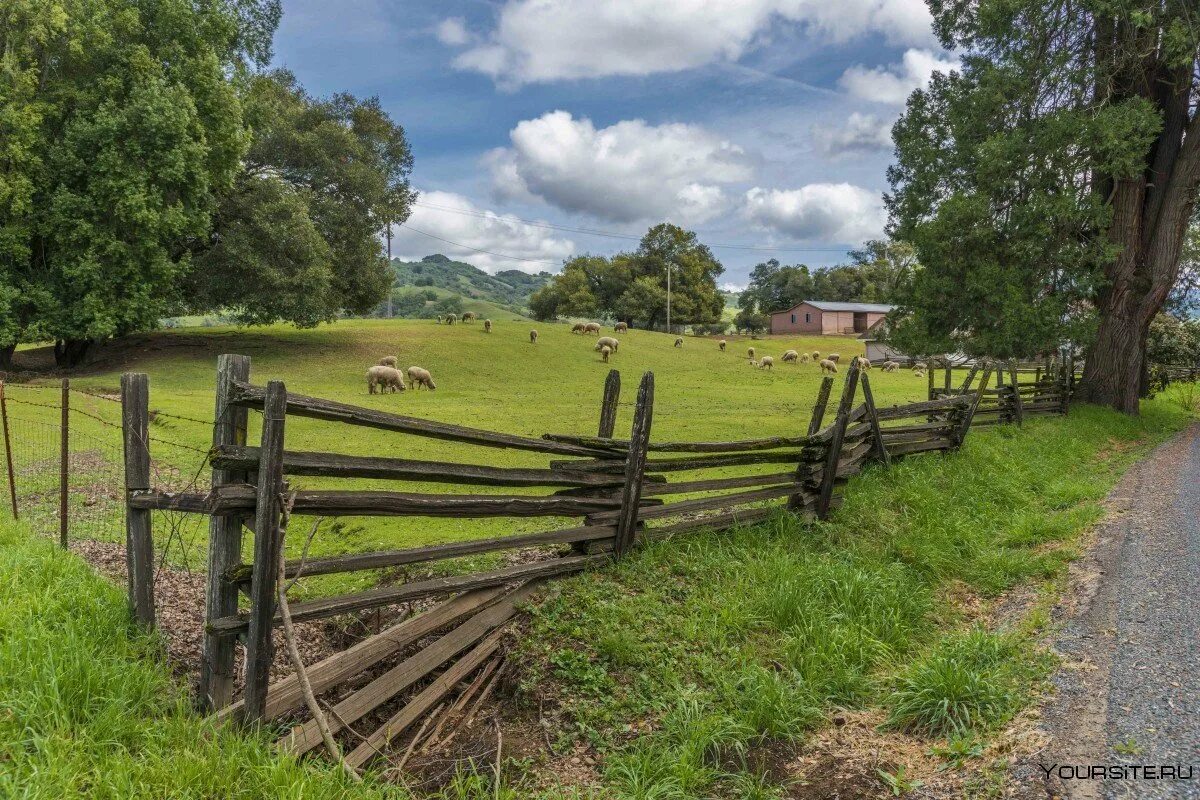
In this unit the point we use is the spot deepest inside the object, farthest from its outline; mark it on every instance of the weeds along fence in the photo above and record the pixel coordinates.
(613, 491)
(63, 460)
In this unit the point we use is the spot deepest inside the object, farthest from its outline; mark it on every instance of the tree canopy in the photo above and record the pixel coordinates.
(1048, 185)
(633, 286)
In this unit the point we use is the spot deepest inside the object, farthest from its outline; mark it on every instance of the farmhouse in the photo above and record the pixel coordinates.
(828, 318)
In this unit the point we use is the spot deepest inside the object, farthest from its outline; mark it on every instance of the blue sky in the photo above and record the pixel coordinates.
(757, 123)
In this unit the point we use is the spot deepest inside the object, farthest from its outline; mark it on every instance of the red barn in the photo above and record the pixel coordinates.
(828, 318)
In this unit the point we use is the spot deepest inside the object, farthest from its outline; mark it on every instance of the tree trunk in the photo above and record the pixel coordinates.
(6, 355)
(71, 352)
(1113, 370)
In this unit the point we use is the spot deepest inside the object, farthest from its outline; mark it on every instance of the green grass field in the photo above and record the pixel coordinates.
(499, 381)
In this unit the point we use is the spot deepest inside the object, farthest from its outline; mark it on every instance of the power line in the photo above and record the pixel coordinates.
(612, 234)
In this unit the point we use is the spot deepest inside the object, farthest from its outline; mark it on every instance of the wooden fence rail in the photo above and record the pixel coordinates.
(618, 490)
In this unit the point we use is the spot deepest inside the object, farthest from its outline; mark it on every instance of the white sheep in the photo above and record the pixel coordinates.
(679, 341)
(919, 366)
(790, 355)
(468, 316)
(890, 366)
(804, 358)
(621, 327)
(750, 353)
(577, 327)
(592, 327)
(816, 356)
(835, 357)
(384, 378)
(387, 361)
(721, 345)
(767, 362)
(827, 365)
(487, 326)
(419, 376)
(605, 350)
(533, 337)
(451, 319)
(753, 362)
(607, 341)
(863, 362)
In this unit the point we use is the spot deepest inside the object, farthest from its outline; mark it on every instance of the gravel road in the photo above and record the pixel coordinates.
(1129, 692)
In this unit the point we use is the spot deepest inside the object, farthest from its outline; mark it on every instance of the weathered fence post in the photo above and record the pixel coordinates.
(873, 418)
(224, 541)
(139, 544)
(1018, 409)
(8, 456)
(635, 467)
(608, 406)
(931, 369)
(966, 387)
(835, 441)
(818, 412)
(267, 509)
(946, 381)
(64, 467)
(965, 428)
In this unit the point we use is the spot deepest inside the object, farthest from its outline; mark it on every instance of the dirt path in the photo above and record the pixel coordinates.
(1125, 721)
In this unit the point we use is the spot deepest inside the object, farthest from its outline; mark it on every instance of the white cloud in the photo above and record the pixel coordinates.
(546, 40)
(862, 133)
(453, 31)
(894, 83)
(826, 212)
(471, 229)
(627, 172)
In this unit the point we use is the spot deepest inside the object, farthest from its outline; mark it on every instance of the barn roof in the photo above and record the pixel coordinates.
(829, 305)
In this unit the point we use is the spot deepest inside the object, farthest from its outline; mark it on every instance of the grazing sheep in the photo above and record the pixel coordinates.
(753, 363)
(890, 366)
(767, 363)
(827, 365)
(835, 357)
(577, 327)
(385, 378)
(721, 344)
(592, 327)
(419, 376)
(533, 337)
(387, 361)
(604, 352)
(621, 327)
(804, 359)
(920, 373)
(609, 342)
(487, 326)
(451, 319)
(919, 366)
(468, 316)
(679, 341)
(816, 356)
(863, 362)
(750, 353)
(790, 355)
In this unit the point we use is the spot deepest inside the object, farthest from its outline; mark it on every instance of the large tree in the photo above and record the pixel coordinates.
(1048, 185)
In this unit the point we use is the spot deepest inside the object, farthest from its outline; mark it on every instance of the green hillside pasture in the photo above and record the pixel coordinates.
(499, 381)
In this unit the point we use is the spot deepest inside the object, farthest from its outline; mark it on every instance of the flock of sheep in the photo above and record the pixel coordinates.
(385, 375)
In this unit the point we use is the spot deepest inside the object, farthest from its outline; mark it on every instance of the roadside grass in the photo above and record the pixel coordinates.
(680, 661)
(87, 708)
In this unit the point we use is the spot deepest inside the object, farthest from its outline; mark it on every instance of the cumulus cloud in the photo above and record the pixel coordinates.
(827, 212)
(462, 229)
(628, 172)
(894, 83)
(861, 133)
(546, 40)
(453, 31)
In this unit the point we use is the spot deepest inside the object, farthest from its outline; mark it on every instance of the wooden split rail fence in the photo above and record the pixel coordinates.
(618, 491)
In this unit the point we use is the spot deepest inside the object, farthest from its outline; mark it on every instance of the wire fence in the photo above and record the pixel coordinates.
(63, 473)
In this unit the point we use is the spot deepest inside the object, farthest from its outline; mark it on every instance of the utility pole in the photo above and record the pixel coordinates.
(391, 275)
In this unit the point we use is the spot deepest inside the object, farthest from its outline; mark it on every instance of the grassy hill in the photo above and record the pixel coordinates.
(509, 288)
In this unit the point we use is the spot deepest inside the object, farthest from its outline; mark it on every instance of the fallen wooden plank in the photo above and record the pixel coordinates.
(249, 396)
(425, 700)
(437, 552)
(304, 737)
(285, 695)
(389, 595)
(337, 465)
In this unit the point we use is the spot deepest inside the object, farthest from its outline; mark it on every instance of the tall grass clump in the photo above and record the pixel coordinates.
(88, 709)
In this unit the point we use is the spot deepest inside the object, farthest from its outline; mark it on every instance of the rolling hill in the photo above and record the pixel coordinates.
(508, 288)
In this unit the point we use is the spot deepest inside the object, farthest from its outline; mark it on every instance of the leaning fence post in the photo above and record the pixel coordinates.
(835, 441)
(267, 509)
(635, 467)
(873, 418)
(139, 544)
(1016, 393)
(608, 406)
(966, 387)
(965, 428)
(818, 413)
(8, 457)
(64, 457)
(224, 541)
